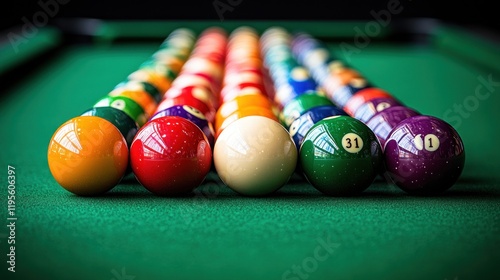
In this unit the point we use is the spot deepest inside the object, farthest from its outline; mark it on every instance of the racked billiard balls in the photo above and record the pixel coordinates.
(88, 155)
(255, 156)
(170, 156)
(424, 155)
(340, 156)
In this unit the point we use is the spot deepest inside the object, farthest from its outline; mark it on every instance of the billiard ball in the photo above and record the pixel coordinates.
(424, 155)
(384, 122)
(88, 155)
(170, 156)
(167, 68)
(125, 104)
(192, 114)
(158, 80)
(255, 156)
(300, 80)
(374, 106)
(233, 90)
(340, 156)
(244, 99)
(196, 97)
(298, 105)
(146, 101)
(300, 126)
(144, 86)
(125, 124)
(363, 96)
(245, 112)
(343, 93)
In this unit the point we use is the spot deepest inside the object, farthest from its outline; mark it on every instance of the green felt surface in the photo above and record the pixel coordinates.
(215, 233)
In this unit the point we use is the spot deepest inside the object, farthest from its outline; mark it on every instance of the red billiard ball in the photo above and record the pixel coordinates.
(170, 156)
(195, 96)
(363, 96)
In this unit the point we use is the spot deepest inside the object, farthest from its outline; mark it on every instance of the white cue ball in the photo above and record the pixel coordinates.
(255, 156)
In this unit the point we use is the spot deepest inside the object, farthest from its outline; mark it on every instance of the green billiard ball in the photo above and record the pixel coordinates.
(340, 156)
(294, 108)
(123, 122)
(125, 104)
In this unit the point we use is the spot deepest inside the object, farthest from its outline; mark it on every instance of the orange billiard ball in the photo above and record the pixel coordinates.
(88, 155)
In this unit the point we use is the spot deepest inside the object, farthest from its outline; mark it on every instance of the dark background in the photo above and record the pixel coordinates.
(478, 13)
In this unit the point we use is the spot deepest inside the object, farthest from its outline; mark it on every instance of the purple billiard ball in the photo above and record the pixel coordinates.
(192, 114)
(372, 107)
(384, 121)
(424, 155)
(299, 127)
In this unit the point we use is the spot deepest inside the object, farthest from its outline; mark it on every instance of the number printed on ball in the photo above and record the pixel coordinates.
(431, 142)
(352, 143)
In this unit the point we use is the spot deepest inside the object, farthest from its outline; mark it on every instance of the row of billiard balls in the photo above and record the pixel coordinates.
(421, 154)
(89, 154)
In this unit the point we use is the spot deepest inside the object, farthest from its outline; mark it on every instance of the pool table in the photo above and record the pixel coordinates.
(214, 233)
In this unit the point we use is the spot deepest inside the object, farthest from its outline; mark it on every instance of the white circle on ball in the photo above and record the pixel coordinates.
(431, 142)
(352, 143)
(299, 74)
(118, 104)
(382, 106)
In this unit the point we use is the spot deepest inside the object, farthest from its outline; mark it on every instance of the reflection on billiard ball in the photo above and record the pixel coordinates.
(340, 156)
(424, 155)
(88, 155)
(255, 156)
(368, 109)
(300, 126)
(384, 122)
(170, 156)
(298, 105)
